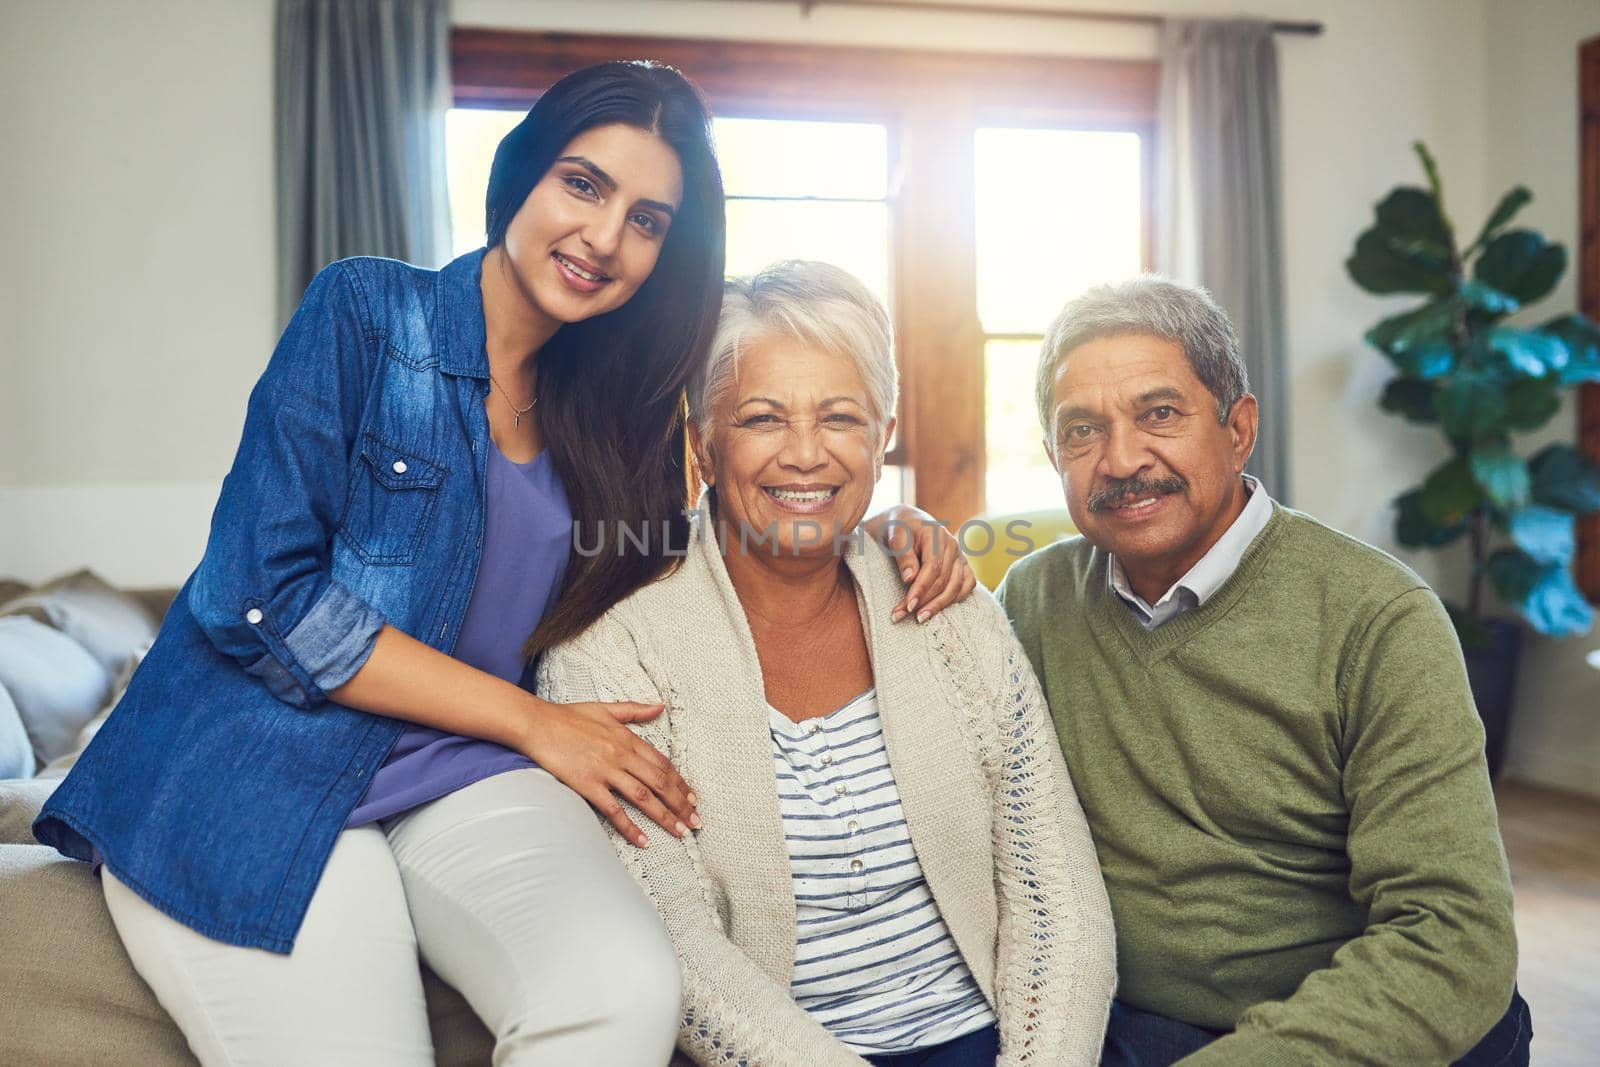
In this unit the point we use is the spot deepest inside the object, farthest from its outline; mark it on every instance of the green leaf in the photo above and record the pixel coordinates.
(1379, 267)
(1501, 474)
(1555, 607)
(1543, 533)
(1429, 324)
(1503, 212)
(1450, 493)
(1522, 264)
(1530, 403)
(1431, 169)
(1527, 352)
(1412, 222)
(1412, 400)
(1471, 405)
(1514, 574)
(1542, 592)
(1582, 340)
(1563, 478)
(1427, 361)
(1415, 530)
(1487, 298)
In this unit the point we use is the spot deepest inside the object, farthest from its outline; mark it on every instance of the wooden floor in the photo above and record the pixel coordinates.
(1553, 842)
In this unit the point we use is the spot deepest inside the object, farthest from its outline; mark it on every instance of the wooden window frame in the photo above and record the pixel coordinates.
(931, 102)
(1589, 291)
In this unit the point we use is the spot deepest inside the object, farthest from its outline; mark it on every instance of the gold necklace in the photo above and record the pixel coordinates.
(516, 414)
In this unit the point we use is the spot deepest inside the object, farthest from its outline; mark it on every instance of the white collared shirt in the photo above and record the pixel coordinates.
(1209, 574)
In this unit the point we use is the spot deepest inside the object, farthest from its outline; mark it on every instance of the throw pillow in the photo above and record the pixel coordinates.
(57, 686)
(59, 767)
(111, 624)
(16, 751)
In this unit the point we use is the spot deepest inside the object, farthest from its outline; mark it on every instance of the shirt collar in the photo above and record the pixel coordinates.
(1213, 569)
(459, 333)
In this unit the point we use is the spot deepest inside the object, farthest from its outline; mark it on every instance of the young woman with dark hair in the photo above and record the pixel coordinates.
(325, 765)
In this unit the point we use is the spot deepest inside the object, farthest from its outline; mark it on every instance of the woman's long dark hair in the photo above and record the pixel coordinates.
(611, 406)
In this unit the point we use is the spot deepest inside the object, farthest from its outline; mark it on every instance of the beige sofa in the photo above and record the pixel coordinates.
(68, 992)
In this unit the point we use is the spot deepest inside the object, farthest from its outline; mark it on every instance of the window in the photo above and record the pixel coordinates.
(974, 194)
(1057, 212)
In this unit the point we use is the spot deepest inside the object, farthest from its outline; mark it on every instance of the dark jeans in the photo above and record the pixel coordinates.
(977, 1049)
(1140, 1039)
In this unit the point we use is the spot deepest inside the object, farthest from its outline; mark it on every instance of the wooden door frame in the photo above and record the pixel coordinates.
(1589, 291)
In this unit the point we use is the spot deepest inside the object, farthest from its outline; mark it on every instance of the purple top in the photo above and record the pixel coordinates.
(526, 537)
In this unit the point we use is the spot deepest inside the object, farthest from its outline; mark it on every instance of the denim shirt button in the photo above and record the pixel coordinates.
(253, 616)
(399, 466)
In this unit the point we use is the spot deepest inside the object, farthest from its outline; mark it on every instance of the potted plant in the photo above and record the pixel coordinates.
(1460, 366)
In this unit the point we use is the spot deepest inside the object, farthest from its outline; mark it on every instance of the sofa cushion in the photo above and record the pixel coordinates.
(70, 994)
(16, 751)
(68, 991)
(20, 801)
(459, 1036)
(57, 685)
(111, 624)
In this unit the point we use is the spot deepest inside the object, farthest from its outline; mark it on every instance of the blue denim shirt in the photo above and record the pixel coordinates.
(218, 786)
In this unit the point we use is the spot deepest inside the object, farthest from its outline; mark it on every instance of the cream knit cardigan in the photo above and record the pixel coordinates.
(996, 825)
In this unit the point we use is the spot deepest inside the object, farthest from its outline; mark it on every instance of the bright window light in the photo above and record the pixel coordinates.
(1057, 212)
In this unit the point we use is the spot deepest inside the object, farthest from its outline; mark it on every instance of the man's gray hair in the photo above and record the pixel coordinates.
(815, 303)
(1152, 306)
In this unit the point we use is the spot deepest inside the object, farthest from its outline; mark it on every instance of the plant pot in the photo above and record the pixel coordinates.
(1492, 673)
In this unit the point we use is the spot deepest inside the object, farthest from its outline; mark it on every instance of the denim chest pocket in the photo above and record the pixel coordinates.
(393, 495)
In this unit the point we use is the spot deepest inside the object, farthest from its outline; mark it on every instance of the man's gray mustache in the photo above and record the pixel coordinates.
(1134, 489)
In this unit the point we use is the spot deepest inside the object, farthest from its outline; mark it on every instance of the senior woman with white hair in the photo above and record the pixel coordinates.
(893, 867)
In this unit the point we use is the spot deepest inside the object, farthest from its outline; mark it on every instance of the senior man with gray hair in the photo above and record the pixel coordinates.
(1268, 724)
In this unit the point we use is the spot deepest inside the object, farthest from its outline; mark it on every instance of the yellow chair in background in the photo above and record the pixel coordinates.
(1045, 526)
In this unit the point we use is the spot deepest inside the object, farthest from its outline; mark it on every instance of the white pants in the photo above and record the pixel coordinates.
(511, 892)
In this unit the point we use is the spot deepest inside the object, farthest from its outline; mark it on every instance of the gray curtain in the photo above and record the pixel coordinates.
(1219, 200)
(362, 89)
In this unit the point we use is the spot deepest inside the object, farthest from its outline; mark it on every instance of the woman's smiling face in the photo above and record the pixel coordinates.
(794, 448)
(589, 233)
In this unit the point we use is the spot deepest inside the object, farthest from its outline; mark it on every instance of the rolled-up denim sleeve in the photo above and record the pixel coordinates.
(264, 592)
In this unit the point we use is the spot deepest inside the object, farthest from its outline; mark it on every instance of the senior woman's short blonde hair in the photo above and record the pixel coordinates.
(808, 301)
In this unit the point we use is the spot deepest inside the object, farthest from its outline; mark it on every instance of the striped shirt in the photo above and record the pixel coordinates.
(874, 962)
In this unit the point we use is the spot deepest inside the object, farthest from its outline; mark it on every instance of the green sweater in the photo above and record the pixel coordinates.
(1288, 794)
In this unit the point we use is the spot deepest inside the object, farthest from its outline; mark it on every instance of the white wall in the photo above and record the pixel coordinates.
(137, 223)
(1533, 130)
(138, 283)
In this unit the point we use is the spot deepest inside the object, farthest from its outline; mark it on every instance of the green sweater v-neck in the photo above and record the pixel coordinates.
(1287, 792)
